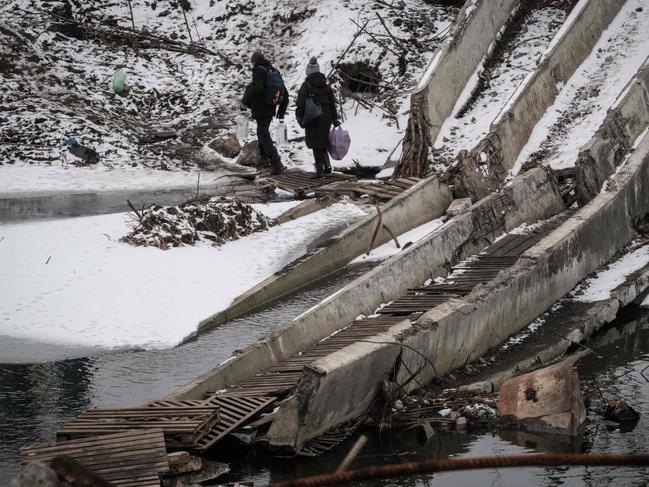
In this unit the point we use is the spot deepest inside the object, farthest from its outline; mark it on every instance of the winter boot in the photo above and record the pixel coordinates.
(319, 172)
(277, 168)
(327, 167)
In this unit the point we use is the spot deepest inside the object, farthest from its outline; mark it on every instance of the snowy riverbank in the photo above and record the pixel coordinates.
(72, 282)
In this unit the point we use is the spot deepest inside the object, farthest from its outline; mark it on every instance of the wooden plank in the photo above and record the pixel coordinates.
(399, 184)
(181, 425)
(133, 458)
(391, 193)
(363, 191)
(250, 406)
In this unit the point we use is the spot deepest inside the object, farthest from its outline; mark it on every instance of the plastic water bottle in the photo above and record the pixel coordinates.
(242, 126)
(119, 81)
(281, 133)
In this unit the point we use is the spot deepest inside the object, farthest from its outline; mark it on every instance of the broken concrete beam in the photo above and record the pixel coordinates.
(464, 328)
(529, 197)
(546, 400)
(458, 206)
(483, 168)
(608, 148)
(183, 462)
(472, 34)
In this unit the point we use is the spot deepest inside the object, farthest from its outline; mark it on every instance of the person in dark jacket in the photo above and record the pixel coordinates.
(263, 112)
(317, 132)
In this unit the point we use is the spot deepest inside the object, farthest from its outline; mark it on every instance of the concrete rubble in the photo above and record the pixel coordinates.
(544, 401)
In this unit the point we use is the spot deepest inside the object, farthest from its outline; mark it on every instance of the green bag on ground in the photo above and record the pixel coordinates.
(119, 81)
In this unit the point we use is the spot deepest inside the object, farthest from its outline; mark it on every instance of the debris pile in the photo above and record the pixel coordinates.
(216, 219)
(446, 410)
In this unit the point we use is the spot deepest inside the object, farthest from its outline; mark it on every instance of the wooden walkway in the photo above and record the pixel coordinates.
(379, 191)
(133, 458)
(183, 426)
(279, 380)
(300, 183)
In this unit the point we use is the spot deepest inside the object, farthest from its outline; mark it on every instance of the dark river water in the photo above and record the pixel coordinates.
(37, 399)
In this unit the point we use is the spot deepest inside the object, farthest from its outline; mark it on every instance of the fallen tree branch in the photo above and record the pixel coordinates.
(340, 58)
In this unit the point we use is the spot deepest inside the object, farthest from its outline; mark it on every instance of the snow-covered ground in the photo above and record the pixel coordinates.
(72, 282)
(495, 84)
(389, 249)
(582, 104)
(57, 85)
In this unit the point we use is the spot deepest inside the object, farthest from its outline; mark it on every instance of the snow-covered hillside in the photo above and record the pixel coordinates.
(58, 57)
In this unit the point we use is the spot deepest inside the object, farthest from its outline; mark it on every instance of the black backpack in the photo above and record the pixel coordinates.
(274, 89)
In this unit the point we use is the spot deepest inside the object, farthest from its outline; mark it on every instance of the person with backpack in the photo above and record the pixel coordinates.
(316, 111)
(267, 97)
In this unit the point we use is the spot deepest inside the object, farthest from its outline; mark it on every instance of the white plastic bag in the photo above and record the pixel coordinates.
(281, 132)
(242, 127)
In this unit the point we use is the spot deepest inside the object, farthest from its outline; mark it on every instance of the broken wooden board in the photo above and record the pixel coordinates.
(133, 458)
(234, 411)
(300, 182)
(377, 191)
(183, 426)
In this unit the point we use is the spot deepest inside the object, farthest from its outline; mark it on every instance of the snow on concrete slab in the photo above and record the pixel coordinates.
(72, 282)
(581, 106)
(599, 287)
(463, 131)
(389, 249)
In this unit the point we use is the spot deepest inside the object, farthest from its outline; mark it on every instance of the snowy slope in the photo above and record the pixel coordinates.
(57, 85)
(478, 106)
(72, 282)
(582, 104)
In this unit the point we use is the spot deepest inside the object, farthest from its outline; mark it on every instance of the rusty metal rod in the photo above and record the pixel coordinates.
(353, 453)
(432, 466)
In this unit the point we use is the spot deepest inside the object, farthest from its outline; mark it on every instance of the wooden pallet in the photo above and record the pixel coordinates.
(183, 426)
(234, 411)
(134, 458)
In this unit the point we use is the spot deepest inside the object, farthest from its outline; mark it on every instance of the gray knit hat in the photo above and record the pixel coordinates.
(312, 67)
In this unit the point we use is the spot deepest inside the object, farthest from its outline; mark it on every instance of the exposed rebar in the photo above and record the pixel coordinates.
(432, 466)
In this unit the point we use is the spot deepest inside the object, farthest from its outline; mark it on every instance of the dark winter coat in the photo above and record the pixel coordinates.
(317, 133)
(253, 97)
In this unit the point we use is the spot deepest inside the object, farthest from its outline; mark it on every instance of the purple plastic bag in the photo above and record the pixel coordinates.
(339, 142)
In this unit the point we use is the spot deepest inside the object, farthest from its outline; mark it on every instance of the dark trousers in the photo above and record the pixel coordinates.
(266, 146)
(322, 163)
